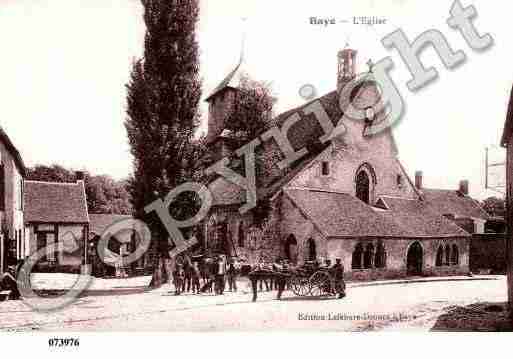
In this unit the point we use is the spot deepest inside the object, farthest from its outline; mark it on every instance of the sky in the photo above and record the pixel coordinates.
(64, 65)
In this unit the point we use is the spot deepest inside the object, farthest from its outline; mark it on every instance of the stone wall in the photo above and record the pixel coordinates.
(488, 252)
(396, 257)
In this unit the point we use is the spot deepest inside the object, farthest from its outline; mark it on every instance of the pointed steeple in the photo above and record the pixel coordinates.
(233, 78)
(221, 98)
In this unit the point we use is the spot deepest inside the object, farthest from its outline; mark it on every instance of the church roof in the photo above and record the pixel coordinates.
(304, 133)
(342, 215)
(420, 217)
(453, 202)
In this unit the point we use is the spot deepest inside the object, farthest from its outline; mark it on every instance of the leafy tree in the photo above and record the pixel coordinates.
(252, 109)
(104, 194)
(495, 206)
(163, 99)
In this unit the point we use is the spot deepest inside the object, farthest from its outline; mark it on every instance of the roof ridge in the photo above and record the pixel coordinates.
(50, 182)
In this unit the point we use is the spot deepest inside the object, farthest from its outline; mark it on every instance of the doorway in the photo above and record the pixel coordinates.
(415, 259)
(291, 249)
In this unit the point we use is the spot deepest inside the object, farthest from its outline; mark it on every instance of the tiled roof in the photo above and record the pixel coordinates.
(100, 222)
(52, 202)
(453, 202)
(418, 217)
(342, 215)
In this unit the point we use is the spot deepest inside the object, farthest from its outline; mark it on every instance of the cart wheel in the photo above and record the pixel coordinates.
(320, 284)
(300, 286)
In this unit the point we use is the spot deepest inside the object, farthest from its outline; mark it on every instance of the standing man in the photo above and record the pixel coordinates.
(178, 277)
(232, 275)
(220, 275)
(195, 278)
(337, 271)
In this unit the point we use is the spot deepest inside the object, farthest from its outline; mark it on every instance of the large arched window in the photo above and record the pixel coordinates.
(368, 256)
(212, 232)
(447, 255)
(312, 250)
(356, 262)
(363, 186)
(381, 256)
(440, 256)
(455, 255)
(364, 183)
(240, 235)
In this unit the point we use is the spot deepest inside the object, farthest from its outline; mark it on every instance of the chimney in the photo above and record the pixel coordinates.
(418, 179)
(79, 175)
(346, 67)
(464, 187)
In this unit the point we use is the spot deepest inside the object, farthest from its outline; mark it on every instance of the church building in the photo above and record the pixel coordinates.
(347, 198)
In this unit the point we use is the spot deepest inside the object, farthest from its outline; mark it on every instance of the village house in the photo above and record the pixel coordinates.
(347, 198)
(12, 171)
(121, 244)
(57, 212)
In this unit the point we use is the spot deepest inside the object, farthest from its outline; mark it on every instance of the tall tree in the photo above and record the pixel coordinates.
(163, 100)
(495, 206)
(104, 194)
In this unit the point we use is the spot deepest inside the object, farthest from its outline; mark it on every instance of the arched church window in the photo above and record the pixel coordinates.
(312, 250)
(364, 182)
(381, 256)
(447, 255)
(368, 256)
(240, 235)
(325, 165)
(455, 255)
(440, 256)
(291, 248)
(356, 262)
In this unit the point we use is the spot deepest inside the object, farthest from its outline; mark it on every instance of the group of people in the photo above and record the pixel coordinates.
(219, 273)
(206, 275)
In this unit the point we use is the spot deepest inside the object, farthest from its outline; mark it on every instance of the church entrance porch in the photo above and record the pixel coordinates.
(414, 259)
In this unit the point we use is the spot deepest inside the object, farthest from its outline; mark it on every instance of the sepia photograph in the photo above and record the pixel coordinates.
(222, 167)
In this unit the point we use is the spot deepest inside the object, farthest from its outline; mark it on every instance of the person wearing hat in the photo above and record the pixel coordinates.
(232, 273)
(220, 274)
(178, 278)
(337, 271)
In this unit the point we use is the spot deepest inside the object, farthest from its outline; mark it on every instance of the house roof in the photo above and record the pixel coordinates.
(52, 202)
(453, 202)
(98, 223)
(14, 152)
(420, 218)
(342, 215)
(508, 124)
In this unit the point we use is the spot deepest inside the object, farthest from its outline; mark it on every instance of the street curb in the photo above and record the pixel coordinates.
(428, 280)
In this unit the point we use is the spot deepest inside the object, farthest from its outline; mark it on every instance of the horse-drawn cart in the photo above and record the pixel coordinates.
(307, 280)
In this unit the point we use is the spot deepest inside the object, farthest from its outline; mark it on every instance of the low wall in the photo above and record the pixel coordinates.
(488, 252)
